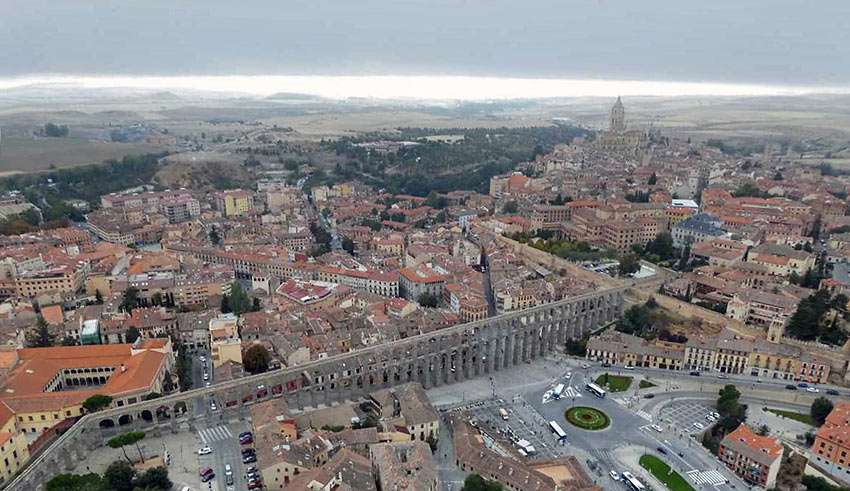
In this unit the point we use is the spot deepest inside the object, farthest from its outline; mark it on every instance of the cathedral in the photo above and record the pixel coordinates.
(617, 138)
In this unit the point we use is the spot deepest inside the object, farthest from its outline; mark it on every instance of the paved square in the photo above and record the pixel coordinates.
(683, 415)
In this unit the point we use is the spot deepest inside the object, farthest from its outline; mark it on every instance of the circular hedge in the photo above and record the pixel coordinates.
(587, 418)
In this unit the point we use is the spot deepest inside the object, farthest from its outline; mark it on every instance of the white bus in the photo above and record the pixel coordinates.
(559, 390)
(557, 430)
(595, 390)
(632, 482)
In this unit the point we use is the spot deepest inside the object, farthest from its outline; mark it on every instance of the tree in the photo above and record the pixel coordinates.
(225, 304)
(119, 476)
(661, 246)
(256, 359)
(817, 483)
(76, 482)
(98, 297)
(132, 335)
(510, 207)
(821, 407)
(653, 179)
(55, 130)
(348, 245)
(474, 482)
(428, 300)
(96, 403)
(777, 176)
(732, 413)
(256, 305)
(68, 341)
(129, 438)
(40, 337)
(629, 264)
(239, 301)
(156, 478)
(215, 238)
(131, 299)
(156, 299)
(763, 430)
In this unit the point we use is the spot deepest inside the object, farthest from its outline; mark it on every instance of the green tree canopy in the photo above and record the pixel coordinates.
(132, 335)
(76, 482)
(131, 299)
(156, 478)
(96, 403)
(821, 407)
(119, 476)
(629, 264)
(428, 300)
(256, 359)
(474, 482)
(40, 336)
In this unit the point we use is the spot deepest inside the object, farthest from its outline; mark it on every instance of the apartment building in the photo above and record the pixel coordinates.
(753, 457)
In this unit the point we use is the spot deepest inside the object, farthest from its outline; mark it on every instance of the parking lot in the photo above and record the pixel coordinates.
(523, 423)
(683, 415)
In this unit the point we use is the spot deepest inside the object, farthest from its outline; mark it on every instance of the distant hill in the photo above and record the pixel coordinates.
(294, 96)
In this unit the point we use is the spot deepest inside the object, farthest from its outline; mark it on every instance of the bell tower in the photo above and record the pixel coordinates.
(618, 117)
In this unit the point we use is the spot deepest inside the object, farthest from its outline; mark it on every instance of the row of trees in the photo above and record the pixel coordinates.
(119, 476)
(732, 413)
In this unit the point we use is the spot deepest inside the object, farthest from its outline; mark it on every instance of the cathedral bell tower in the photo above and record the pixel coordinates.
(618, 117)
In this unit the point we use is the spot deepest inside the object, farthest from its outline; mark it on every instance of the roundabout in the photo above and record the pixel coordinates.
(587, 418)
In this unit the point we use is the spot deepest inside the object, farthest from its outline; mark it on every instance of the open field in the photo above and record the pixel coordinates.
(614, 383)
(801, 417)
(23, 154)
(672, 479)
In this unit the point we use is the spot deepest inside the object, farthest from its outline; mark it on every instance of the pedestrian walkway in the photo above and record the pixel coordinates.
(645, 415)
(713, 478)
(215, 434)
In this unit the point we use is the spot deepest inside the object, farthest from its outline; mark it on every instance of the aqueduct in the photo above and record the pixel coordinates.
(433, 359)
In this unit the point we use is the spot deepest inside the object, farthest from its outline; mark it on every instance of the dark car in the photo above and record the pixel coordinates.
(648, 396)
(247, 440)
(832, 392)
(244, 434)
(791, 387)
(606, 365)
(695, 373)
(249, 459)
(255, 485)
(205, 471)
(248, 451)
(802, 385)
(662, 450)
(208, 477)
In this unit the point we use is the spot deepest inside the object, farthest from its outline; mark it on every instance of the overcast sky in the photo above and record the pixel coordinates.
(766, 41)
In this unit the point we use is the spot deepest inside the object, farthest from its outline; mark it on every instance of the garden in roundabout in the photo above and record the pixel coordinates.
(587, 418)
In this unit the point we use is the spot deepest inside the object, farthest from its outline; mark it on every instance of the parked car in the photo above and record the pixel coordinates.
(813, 390)
(614, 475)
(248, 451)
(802, 385)
(208, 477)
(246, 440)
(657, 428)
(832, 392)
(205, 471)
(698, 425)
(695, 373)
(204, 451)
(648, 396)
(606, 365)
(662, 450)
(228, 470)
(791, 387)
(249, 459)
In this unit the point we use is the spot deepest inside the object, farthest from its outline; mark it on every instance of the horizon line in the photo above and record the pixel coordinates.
(418, 87)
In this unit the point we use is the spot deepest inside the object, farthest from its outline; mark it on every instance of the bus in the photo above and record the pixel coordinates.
(595, 390)
(632, 482)
(557, 430)
(559, 390)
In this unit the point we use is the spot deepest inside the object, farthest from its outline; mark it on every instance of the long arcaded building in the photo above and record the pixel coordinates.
(441, 357)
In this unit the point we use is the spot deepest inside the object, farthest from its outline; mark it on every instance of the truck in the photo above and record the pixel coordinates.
(526, 446)
(559, 390)
(503, 413)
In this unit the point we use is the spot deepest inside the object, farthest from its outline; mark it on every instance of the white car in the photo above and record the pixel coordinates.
(698, 425)
(213, 407)
(657, 428)
(585, 365)
(203, 359)
(813, 390)
(629, 367)
(228, 471)
(206, 375)
(614, 475)
(204, 451)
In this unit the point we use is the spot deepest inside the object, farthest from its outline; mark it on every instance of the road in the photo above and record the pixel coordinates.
(217, 433)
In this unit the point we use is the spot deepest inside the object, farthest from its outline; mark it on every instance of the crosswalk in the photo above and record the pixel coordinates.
(645, 415)
(712, 477)
(571, 392)
(215, 434)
